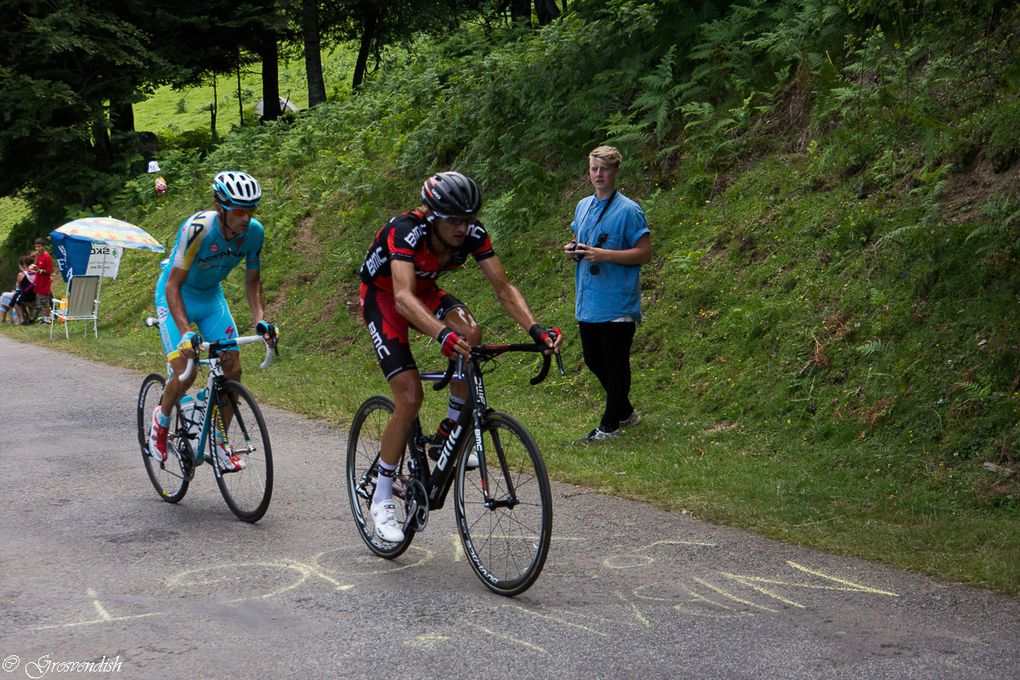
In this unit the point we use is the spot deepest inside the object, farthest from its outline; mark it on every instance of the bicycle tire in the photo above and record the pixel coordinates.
(506, 546)
(362, 457)
(171, 478)
(248, 491)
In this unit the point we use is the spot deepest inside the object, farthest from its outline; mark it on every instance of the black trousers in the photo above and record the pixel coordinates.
(606, 348)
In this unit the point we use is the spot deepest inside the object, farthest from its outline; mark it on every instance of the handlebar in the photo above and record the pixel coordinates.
(486, 352)
(221, 345)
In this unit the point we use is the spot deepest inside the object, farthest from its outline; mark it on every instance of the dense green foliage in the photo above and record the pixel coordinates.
(829, 354)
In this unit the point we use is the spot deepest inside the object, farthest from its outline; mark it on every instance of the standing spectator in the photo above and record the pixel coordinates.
(43, 281)
(611, 242)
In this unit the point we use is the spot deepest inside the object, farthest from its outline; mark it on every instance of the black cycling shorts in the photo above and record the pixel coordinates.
(388, 327)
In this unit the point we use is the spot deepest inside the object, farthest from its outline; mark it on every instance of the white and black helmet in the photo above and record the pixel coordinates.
(451, 194)
(236, 189)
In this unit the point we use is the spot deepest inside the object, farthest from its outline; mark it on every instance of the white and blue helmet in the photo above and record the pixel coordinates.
(236, 189)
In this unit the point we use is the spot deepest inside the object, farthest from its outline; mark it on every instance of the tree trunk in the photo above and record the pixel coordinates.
(270, 77)
(313, 55)
(102, 149)
(520, 10)
(122, 115)
(370, 24)
(213, 110)
(240, 104)
(546, 11)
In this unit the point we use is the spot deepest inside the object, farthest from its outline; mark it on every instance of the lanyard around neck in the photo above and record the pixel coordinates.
(602, 214)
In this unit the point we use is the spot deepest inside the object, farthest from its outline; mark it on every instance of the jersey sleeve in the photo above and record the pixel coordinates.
(403, 238)
(189, 239)
(479, 243)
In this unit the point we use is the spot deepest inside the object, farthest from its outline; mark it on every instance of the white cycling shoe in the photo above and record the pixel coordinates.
(384, 514)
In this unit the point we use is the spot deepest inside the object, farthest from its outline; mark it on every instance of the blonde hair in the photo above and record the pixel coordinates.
(609, 154)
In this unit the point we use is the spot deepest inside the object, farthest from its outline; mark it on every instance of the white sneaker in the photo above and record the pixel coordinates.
(228, 461)
(471, 462)
(632, 419)
(384, 514)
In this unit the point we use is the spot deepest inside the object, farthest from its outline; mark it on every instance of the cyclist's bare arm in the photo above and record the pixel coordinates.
(509, 296)
(253, 292)
(411, 308)
(176, 303)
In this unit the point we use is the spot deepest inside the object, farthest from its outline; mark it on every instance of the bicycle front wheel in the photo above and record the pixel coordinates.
(171, 478)
(363, 444)
(238, 418)
(506, 535)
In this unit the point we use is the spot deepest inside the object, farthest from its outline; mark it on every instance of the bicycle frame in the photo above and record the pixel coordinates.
(213, 383)
(472, 418)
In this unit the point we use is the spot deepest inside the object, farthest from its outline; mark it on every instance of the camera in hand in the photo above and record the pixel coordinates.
(573, 252)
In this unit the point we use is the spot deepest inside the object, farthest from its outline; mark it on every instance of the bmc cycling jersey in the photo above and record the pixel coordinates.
(208, 257)
(406, 237)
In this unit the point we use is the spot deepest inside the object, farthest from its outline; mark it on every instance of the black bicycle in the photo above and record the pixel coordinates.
(503, 506)
(232, 415)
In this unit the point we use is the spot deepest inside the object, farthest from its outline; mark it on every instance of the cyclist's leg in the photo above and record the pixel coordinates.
(456, 315)
(389, 329)
(170, 336)
(216, 323)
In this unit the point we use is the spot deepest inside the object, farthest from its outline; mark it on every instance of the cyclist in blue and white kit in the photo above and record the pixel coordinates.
(209, 245)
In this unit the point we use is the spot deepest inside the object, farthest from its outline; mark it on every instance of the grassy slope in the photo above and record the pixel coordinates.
(799, 376)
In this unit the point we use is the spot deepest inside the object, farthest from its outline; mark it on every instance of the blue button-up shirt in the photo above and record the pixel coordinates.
(615, 292)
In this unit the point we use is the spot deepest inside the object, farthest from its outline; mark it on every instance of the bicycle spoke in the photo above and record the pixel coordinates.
(249, 490)
(362, 458)
(171, 478)
(506, 543)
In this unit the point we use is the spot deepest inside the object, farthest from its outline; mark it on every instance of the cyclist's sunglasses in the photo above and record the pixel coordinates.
(246, 212)
(452, 218)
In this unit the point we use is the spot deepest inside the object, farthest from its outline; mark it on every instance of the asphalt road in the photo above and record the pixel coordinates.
(95, 567)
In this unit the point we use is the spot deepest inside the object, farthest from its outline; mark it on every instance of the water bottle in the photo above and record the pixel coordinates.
(188, 413)
(200, 399)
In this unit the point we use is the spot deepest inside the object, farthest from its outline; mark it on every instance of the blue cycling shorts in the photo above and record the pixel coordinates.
(206, 309)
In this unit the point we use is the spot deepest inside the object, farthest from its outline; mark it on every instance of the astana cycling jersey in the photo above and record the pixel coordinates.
(406, 238)
(207, 256)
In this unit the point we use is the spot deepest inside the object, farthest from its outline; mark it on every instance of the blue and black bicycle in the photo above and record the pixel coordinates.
(223, 411)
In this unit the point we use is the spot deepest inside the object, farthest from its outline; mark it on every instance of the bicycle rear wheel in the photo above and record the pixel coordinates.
(248, 491)
(172, 477)
(506, 540)
(362, 458)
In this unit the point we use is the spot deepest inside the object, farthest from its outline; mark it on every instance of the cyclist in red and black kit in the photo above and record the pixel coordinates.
(399, 291)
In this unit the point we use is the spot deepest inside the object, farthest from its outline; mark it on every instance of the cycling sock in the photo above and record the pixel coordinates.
(454, 408)
(384, 483)
(164, 421)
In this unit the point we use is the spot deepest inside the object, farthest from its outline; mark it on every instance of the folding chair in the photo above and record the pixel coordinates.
(82, 304)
